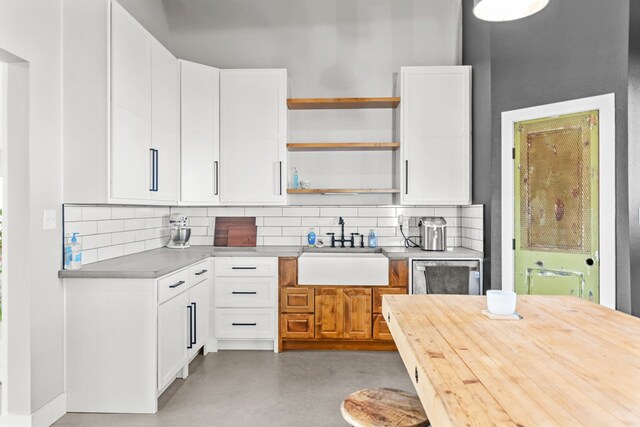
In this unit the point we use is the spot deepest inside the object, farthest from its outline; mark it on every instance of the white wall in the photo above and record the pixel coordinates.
(32, 29)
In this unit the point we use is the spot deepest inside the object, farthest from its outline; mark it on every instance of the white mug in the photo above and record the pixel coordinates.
(501, 303)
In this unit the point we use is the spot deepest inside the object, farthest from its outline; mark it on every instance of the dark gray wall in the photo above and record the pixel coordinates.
(634, 153)
(572, 49)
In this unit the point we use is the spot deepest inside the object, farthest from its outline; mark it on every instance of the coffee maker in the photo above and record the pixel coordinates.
(179, 232)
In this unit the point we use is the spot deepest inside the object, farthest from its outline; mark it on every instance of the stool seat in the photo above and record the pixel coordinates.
(383, 407)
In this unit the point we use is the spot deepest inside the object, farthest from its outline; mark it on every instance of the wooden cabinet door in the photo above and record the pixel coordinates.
(379, 292)
(130, 107)
(296, 326)
(173, 337)
(296, 300)
(287, 271)
(436, 125)
(399, 273)
(329, 309)
(253, 136)
(357, 313)
(200, 101)
(381, 328)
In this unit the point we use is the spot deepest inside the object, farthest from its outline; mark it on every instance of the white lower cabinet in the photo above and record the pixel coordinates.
(128, 339)
(246, 303)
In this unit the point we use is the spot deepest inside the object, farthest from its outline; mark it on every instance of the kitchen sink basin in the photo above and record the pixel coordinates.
(343, 269)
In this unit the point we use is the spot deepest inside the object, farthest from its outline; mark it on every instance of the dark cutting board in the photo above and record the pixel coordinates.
(243, 236)
(221, 233)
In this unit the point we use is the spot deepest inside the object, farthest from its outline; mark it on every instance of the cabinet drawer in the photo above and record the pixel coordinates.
(172, 285)
(245, 292)
(238, 323)
(199, 272)
(296, 326)
(379, 292)
(296, 300)
(381, 328)
(246, 267)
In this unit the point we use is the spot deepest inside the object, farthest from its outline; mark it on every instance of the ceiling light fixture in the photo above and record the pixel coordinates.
(506, 10)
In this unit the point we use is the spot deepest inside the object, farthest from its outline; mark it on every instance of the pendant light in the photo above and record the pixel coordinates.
(506, 10)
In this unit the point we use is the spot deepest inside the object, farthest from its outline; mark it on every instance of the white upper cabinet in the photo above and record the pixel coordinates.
(200, 134)
(253, 136)
(436, 135)
(131, 161)
(165, 118)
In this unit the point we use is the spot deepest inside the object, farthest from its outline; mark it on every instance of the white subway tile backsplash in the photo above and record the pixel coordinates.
(282, 221)
(377, 212)
(96, 212)
(131, 229)
(72, 213)
(301, 211)
(85, 228)
(225, 212)
(133, 224)
(281, 240)
(110, 226)
(263, 212)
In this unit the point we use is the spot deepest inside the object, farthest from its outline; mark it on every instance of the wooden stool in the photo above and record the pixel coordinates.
(383, 407)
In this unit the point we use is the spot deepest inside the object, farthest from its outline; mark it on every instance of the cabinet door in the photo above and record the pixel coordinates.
(378, 294)
(399, 273)
(436, 135)
(253, 137)
(381, 328)
(296, 326)
(200, 100)
(357, 313)
(130, 107)
(199, 300)
(165, 113)
(329, 309)
(296, 300)
(172, 338)
(287, 271)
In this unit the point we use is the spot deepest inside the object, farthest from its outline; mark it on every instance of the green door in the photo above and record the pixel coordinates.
(556, 206)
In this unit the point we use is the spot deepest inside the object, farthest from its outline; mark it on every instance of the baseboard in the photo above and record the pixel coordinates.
(44, 417)
(349, 345)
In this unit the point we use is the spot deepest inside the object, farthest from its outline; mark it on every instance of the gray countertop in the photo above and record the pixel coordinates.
(160, 262)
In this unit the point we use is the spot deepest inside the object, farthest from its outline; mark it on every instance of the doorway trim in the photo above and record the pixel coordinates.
(605, 104)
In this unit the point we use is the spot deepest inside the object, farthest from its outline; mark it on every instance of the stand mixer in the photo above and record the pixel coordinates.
(179, 232)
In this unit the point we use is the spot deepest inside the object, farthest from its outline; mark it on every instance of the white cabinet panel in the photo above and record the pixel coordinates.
(172, 338)
(200, 105)
(436, 135)
(165, 87)
(199, 300)
(130, 155)
(245, 323)
(245, 291)
(166, 142)
(253, 129)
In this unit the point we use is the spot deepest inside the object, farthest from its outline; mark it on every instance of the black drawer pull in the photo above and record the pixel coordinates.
(195, 323)
(243, 293)
(190, 308)
(181, 282)
(244, 268)
(243, 324)
(201, 273)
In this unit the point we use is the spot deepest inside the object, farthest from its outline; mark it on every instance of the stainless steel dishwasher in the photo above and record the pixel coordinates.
(462, 277)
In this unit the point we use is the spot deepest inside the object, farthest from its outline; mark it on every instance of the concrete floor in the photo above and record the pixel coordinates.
(260, 388)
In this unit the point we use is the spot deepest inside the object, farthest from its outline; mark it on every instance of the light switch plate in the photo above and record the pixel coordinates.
(48, 220)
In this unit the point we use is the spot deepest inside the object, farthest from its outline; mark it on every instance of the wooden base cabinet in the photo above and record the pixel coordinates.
(335, 317)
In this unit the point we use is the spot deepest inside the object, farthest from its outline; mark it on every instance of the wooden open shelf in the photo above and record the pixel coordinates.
(342, 146)
(343, 191)
(341, 103)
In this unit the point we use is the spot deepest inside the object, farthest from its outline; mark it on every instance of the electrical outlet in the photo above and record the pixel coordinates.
(403, 222)
(48, 220)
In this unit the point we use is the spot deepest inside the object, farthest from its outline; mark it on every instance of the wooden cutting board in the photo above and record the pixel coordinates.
(221, 233)
(242, 236)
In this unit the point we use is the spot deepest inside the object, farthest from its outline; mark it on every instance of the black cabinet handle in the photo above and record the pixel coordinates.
(280, 185)
(406, 177)
(201, 273)
(190, 326)
(217, 176)
(416, 374)
(157, 170)
(195, 323)
(243, 293)
(152, 177)
(243, 324)
(180, 283)
(244, 268)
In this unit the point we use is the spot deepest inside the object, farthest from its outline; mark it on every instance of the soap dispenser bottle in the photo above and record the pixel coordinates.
(296, 180)
(373, 239)
(76, 253)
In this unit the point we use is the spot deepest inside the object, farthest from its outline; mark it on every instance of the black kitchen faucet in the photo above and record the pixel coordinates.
(342, 240)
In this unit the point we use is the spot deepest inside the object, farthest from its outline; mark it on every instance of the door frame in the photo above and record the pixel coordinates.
(605, 104)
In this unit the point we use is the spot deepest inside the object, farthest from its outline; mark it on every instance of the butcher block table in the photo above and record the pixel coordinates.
(568, 362)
